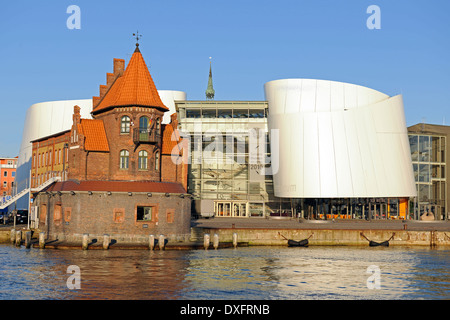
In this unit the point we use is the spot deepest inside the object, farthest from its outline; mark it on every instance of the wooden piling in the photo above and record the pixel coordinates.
(151, 242)
(216, 241)
(42, 240)
(13, 235)
(106, 241)
(28, 239)
(85, 241)
(18, 238)
(235, 237)
(206, 241)
(161, 242)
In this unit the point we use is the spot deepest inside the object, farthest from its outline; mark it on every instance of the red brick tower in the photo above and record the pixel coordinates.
(124, 141)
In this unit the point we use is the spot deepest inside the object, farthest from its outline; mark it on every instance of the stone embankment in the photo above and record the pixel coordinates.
(235, 232)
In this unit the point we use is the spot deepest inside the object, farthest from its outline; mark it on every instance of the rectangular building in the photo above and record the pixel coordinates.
(429, 154)
(49, 158)
(224, 178)
(7, 175)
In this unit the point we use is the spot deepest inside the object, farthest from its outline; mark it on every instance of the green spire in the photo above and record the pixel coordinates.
(210, 90)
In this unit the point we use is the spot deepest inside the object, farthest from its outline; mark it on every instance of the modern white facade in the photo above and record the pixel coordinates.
(338, 140)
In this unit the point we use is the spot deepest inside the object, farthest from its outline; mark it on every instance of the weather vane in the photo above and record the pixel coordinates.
(137, 36)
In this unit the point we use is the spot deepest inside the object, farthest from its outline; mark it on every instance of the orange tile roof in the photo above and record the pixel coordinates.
(169, 140)
(117, 186)
(95, 135)
(134, 88)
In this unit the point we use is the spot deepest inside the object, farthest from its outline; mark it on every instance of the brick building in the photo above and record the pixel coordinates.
(118, 171)
(7, 176)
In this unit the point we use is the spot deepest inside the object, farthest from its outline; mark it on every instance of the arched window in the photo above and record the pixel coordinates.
(143, 156)
(124, 159)
(157, 160)
(158, 125)
(143, 124)
(125, 124)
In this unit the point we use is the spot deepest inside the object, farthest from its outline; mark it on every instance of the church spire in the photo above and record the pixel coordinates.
(210, 90)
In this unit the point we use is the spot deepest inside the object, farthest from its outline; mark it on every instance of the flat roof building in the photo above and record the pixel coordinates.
(429, 155)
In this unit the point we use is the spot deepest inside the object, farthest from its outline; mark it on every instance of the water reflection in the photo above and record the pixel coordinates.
(241, 274)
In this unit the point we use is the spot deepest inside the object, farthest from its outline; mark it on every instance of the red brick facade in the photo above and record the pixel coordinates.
(121, 165)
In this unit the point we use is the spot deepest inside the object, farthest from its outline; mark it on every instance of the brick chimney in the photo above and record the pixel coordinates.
(119, 67)
(76, 115)
(174, 120)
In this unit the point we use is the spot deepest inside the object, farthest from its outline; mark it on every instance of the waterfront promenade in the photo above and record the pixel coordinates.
(261, 231)
(276, 223)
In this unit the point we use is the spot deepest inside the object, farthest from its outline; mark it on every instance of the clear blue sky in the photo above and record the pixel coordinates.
(251, 42)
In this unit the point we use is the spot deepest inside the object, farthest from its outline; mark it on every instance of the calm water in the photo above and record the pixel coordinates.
(239, 274)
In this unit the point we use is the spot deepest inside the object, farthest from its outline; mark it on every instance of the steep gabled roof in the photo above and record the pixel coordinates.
(95, 135)
(134, 88)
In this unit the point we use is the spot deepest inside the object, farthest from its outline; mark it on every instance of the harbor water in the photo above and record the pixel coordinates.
(247, 273)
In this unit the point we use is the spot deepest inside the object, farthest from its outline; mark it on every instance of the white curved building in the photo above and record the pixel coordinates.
(48, 118)
(168, 97)
(338, 140)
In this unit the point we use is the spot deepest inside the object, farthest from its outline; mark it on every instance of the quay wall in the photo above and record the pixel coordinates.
(277, 237)
(326, 237)
(5, 236)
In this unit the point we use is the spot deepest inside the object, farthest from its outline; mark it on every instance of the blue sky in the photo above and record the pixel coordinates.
(251, 42)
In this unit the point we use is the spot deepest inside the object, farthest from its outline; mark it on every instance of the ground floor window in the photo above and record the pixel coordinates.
(144, 213)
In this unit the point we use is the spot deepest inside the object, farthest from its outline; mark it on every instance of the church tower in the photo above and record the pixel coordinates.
(210, 90)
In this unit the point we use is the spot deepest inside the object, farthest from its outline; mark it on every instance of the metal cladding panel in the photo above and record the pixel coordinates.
(323, 96)
(354, 155)
(342, 161)
(327, 168)
(344, 141)
(296, 147)
(337, 92)
(311, 160)
(308, 96)
(292, 103)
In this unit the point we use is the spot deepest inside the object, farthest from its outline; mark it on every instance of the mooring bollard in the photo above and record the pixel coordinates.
(106, 241)
(151, 242)
(235, 237)
(216, 241)
(85, 241)
(28, 239)
(18, 238)
(42, 240)
(161, 242)
(206, 241)
(12, 235)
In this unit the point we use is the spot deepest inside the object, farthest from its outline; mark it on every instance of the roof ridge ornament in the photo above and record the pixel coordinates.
(137, 36)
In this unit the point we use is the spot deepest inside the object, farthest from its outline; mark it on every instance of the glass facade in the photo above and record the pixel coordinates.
(223, 174)
(428, 154)
(221, 169)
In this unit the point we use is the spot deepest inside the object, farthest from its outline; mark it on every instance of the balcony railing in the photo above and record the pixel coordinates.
(146, 136)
